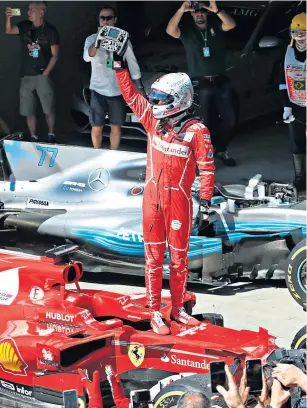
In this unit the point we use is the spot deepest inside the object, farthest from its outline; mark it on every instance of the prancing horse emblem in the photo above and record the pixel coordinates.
(136, 354)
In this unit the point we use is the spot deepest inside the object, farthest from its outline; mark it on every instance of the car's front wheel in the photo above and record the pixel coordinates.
(169, 396)
(296, 273)
(300, 339)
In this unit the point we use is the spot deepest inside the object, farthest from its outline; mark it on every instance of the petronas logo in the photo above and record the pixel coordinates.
(10, 358)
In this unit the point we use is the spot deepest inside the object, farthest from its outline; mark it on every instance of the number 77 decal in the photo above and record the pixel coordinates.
(46, 150)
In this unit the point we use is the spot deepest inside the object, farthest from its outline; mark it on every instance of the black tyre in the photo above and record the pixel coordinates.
(300, 339)
(213, 318)
(296, 273)
(170, 395)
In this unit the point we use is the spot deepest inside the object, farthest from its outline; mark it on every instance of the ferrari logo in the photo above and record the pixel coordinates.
(299, 85)
(136, 354)
(10, 358)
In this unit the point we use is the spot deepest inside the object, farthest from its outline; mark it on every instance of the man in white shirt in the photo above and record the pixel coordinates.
(105, 93)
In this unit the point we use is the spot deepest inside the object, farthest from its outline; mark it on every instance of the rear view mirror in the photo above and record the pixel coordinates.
(269, 42)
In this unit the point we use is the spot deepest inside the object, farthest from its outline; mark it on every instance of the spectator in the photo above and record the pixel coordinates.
(203, 41)
(193, 400)
(293, 92)
(105, 94)
(290, 375)
(233, 399)
(40, 50)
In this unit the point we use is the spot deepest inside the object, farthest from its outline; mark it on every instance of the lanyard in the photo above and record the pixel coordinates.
(205, 38)
(38, 34)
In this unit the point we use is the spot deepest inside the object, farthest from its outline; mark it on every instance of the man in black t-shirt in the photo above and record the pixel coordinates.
(39, 54)
(203, 40)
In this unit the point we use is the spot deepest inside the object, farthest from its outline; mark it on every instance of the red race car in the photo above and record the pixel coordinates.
(48, 331)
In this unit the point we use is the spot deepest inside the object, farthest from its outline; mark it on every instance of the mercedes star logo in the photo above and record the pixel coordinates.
(98, 179)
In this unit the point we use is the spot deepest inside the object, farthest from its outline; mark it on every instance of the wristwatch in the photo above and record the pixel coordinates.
(217, 12)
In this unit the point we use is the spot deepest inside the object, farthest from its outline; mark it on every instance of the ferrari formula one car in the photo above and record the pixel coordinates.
(56, 194)
(48, 331)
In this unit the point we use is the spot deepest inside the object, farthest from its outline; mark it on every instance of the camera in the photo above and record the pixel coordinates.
(196, 5)
(296, 357)
(284, 356)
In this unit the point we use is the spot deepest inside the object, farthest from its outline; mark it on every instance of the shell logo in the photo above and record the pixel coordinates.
(10, 358)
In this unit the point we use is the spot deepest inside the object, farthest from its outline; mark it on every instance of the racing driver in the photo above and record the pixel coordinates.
(293, 92)
(176, 143)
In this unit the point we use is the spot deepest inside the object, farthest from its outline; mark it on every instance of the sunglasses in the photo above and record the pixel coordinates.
(107, 18)
(298, 32)
(201, 10)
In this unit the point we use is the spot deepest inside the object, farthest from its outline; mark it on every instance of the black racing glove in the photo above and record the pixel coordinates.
(118, 62)
(204, 206)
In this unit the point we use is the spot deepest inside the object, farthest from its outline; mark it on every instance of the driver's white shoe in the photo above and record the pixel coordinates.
(157, 324)
(180, 316)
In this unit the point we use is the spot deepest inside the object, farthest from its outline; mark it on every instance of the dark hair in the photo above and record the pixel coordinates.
(193, 399)
(107, 7)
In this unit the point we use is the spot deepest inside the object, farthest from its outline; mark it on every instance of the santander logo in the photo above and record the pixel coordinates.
(173, 149)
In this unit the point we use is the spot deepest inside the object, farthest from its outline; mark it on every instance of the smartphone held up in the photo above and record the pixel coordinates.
(15, 12)
(70, 398)
(217, 375)
(254, 376)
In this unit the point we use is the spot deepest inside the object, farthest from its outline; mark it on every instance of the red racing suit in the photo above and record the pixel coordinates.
(94, 392)
(118, 393)
(167, 204)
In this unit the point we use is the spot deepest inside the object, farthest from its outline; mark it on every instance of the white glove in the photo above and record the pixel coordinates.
(287, 116)
(109, 370)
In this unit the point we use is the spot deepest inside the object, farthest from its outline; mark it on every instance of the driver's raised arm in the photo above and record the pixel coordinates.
(136, 102)
(134, 69)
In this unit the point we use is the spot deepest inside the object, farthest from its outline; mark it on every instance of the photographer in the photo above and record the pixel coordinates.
(290, 375)
(203, 40)
(105, 93)
(39, 54)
